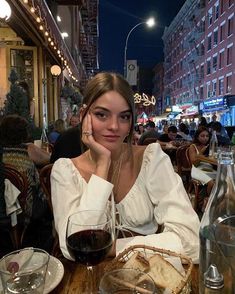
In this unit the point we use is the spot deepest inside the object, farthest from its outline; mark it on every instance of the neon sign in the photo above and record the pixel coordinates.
(144, 99)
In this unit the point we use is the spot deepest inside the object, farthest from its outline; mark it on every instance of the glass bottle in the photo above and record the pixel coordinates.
(217, 232)
(44, 140)
(213, 145)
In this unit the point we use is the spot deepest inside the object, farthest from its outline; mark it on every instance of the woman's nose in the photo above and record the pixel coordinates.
(113, 123)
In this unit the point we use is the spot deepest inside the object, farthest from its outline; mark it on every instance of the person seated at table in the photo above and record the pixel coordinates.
(38, 217)
(148, 194)
(58, 128)
(184, 132)
(221, 134)
(169, 137)
(150, 133)
(202, 170)
(68, 145)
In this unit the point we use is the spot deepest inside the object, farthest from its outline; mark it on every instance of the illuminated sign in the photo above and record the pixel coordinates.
(215, 102)
(144, 99)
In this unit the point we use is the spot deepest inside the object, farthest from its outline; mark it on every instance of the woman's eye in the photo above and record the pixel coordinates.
(126, 116)
(100, 114)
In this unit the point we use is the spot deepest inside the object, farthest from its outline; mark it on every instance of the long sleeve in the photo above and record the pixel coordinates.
(71, 193)
(159, 198)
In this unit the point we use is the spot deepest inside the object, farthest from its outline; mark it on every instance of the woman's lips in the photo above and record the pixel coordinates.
(111, 138)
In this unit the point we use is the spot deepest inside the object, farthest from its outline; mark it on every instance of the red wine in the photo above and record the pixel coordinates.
(89, 247)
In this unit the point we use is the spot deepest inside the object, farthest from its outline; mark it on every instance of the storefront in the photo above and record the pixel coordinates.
(31, 44)
(219, 107)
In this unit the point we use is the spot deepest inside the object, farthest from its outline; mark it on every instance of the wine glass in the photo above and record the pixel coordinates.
(89, 238)
(224, 232)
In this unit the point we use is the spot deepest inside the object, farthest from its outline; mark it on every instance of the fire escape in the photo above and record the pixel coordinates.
(194, 49)
(89, 38)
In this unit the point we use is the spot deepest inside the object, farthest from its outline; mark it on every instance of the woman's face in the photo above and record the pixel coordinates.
(203, 137)
(111, 120)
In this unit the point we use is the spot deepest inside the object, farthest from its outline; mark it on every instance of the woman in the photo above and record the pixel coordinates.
(147, 192)
(201, 171)
(37, 216)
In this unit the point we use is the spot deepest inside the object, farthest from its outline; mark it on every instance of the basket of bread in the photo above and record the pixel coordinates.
(162, 265)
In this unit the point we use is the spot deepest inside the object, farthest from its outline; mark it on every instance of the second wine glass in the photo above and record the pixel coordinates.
(89, 238)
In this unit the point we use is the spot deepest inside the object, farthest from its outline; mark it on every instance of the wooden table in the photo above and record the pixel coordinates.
(75, 278)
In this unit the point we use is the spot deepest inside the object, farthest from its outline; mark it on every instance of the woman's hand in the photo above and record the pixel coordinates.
(99, 152)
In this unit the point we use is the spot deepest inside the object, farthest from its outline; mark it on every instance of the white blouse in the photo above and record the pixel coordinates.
(156, 198)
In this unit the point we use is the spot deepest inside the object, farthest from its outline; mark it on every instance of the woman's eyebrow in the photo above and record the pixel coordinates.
(106, 109)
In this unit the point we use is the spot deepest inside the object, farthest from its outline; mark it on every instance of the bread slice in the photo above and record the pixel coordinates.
(137, 261)
(164, 274)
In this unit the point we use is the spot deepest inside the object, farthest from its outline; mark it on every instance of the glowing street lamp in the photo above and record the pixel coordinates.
(5, 11)
(150, 23)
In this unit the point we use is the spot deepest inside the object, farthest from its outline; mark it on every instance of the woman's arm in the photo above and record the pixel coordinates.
(71, 193)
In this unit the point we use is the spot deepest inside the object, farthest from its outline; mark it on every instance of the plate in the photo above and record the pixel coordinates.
(55, 273)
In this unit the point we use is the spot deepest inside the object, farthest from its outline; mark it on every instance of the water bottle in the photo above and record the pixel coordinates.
(217, 232)
(213, 145)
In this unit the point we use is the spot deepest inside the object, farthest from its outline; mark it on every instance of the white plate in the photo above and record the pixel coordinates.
(55, 273)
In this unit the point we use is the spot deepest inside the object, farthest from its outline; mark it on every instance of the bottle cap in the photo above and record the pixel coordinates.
(212, 278)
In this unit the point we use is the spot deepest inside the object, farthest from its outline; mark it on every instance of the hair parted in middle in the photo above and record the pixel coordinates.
(104, 82)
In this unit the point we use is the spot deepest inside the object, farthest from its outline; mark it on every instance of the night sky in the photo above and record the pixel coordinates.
(117, 17)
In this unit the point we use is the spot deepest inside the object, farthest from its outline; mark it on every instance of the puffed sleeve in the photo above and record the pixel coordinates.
(172, 207)
(70, 193)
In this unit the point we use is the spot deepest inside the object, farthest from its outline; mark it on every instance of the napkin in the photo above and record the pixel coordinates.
(12, 204)
(19, 260)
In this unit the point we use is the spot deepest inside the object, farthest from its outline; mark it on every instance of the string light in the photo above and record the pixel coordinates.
(36, 14)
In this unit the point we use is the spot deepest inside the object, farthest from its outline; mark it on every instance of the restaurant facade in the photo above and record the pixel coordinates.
(32, 45)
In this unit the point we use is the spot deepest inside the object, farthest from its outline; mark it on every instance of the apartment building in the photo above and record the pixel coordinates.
(199, 59)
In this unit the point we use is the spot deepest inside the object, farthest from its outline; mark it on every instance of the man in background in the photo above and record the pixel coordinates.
(151, 132)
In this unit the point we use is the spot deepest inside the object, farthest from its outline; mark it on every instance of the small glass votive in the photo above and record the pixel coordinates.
(125, 281)
(24, 271)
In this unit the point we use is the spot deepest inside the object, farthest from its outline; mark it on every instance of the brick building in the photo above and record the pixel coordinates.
(200, 59)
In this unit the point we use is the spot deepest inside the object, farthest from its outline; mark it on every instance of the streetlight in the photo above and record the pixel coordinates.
(5, 11)
(150, 23)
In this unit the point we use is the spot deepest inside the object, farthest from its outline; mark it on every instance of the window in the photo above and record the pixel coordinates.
(215, 38)
(213, 88)
(209, 16)
(230, 26)
(221, 59)
(209, 43)
(222, 32)
(221, 86)
(222, 6)
(217, 11)
(208, 92)
(214, 63)
(208, 67)
(202, 71)
(229, 55)
(229, 84)
(201, 93)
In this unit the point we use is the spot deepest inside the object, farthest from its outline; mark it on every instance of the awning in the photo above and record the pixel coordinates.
(45, 26)
(189, 115)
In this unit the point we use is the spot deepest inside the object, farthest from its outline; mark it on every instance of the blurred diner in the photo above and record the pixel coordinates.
(37, 217)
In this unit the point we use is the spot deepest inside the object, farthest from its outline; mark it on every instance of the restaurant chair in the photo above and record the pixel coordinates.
(45, 181)
(148, 141)
(19, 180)
(183, 165)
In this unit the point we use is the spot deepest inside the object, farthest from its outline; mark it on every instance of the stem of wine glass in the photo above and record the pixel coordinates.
(90, 281)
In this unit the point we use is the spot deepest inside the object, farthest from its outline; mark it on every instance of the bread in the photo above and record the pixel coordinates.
(164, 274)
(137, 261)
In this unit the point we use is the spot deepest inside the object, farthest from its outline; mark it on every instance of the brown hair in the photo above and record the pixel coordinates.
(103, 83)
